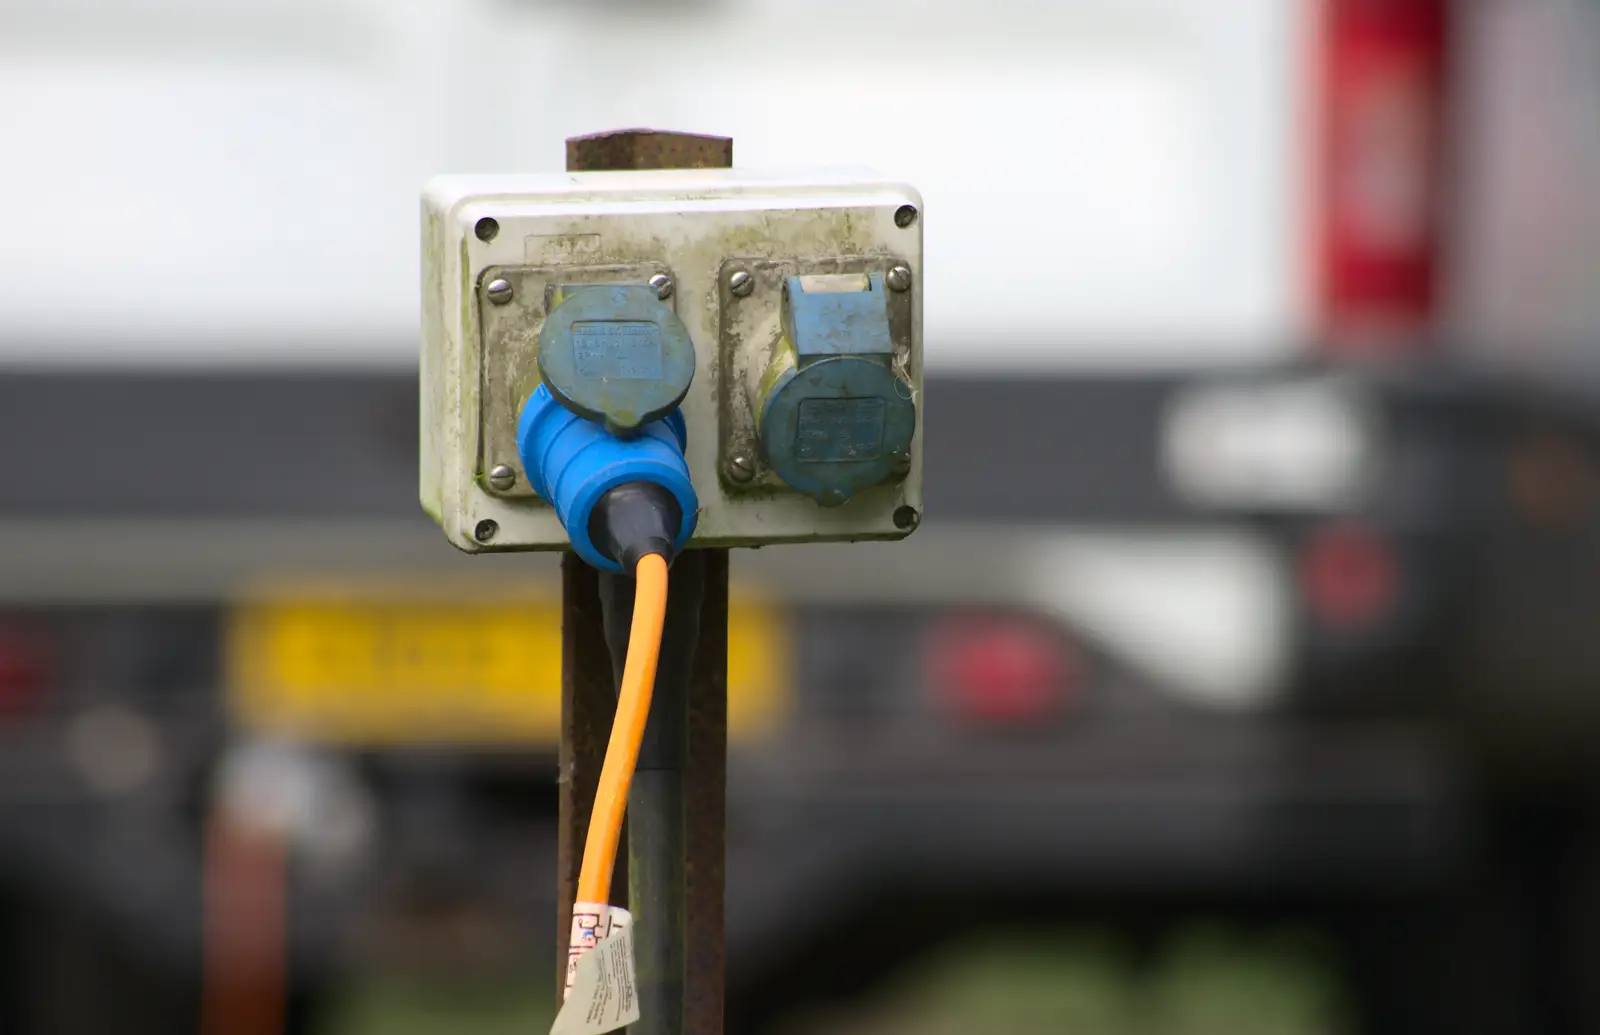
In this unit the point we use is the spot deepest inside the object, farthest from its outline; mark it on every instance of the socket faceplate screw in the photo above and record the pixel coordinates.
(741, 469)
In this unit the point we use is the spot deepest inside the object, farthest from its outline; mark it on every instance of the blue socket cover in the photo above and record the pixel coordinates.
(616, 354)
(572, 462)
(835, 418)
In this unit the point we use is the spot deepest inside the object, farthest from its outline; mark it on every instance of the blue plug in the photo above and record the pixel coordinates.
(572, 462)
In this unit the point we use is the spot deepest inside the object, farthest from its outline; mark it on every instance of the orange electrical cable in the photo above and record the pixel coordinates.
(627, 730)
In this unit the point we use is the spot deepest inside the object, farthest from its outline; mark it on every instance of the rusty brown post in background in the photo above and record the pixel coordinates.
(588, 691)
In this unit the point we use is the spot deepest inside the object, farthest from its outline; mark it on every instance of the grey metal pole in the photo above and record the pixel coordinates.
(657, 840)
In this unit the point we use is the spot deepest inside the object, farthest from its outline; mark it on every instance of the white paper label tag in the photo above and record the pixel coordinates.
(601, 995)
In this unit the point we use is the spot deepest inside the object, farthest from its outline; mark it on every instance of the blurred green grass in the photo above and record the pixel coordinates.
(1201, 979)
(1204, 979)
(498, 1004)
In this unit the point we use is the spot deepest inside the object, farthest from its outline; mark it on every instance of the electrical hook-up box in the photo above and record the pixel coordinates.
(780, 315)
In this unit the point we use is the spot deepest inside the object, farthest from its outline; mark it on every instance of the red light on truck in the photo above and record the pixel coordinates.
(1001, 670)
(24, 671)
(1348, 575)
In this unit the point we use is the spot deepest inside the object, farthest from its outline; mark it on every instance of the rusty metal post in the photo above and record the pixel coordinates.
(690, 925)
(705, 795)
(587, 699)
(647, 149)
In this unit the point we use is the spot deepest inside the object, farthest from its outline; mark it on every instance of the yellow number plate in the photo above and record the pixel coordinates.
(381, 665)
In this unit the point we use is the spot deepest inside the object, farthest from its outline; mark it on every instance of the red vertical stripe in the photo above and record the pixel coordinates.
(1381, 169)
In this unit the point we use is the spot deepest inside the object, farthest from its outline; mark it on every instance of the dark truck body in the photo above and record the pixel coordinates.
(1421, 788)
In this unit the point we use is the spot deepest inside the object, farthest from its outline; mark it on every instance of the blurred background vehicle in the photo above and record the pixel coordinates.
(1242, 674)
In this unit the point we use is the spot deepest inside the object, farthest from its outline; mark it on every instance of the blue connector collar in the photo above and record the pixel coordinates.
(571, 462)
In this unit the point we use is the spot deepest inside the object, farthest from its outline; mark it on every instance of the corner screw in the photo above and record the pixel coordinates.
(741, 469)
(502, 477)
(485, 530)
(741, 283)
(906, 518)
(899, 279)
(499, 291)
(663, 285)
